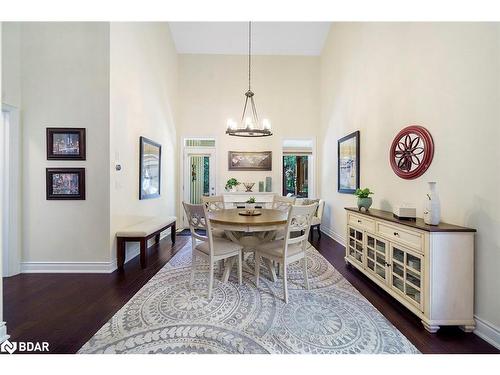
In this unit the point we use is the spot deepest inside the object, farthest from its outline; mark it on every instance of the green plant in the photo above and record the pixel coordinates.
(363, 193)
(232, 182)
(251, 200)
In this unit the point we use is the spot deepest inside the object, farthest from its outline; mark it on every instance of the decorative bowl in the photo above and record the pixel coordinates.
(248, 186)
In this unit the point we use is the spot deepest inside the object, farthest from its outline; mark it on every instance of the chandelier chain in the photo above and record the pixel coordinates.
(249, 53)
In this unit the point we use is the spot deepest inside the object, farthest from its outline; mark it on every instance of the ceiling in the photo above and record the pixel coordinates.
(268, 38)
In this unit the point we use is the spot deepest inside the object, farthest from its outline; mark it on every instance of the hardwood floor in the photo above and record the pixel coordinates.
(67, 309)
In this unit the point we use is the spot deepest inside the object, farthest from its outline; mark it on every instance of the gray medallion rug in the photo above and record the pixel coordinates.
(169, 316)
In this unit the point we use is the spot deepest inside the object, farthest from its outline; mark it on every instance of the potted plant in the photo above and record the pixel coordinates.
(231, 185)
(250, 204)
(364, 199)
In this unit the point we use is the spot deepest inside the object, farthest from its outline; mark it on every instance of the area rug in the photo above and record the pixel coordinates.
(169, 316)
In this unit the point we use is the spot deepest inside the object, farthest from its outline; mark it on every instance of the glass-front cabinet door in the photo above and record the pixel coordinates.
(376, 257)
(407, 274)
(356, 240)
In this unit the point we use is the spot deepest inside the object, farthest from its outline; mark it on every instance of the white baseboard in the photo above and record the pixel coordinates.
(66, 267)
(131, 252)
(330, 233)
(3, 332)
(488, 332)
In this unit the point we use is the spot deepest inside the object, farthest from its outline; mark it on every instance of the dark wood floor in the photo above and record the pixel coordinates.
(67, 309)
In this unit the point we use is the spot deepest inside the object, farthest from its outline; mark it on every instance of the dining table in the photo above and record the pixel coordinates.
(248, 230)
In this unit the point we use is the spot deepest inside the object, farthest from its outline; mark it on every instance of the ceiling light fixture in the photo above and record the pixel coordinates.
(249, 123)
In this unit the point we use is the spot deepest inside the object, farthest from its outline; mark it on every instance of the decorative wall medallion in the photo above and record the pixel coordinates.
(411, 152)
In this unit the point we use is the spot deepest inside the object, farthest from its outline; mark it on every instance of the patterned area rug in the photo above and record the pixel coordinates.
(169, 316)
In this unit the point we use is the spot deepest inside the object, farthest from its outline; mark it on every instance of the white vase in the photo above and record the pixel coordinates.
(432, 207)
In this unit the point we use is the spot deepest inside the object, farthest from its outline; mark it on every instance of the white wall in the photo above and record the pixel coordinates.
(381, 77)
(3, 327)
(212, 87)
(65, 83)
(143, 99)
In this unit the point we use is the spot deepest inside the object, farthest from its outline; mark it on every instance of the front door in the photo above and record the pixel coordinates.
(199, 176)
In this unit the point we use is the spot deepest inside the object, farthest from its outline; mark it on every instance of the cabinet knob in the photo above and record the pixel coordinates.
(388, 264)
(396, 234)
(359, 221)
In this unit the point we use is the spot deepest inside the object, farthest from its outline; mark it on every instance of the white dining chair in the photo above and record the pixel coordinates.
(215, 203)
(210, 248)
(282, 203)
(288, 250)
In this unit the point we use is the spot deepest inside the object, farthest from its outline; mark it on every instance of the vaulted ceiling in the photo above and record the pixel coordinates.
(268, 38)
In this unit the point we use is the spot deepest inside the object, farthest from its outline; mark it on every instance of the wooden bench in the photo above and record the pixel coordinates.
(142, 232)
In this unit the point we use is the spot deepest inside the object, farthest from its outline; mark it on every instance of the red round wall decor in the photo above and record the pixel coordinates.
(411, 152)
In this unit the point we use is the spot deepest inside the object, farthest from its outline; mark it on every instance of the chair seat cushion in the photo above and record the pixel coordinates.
(276, 248)
(146, 227)
(221, 247)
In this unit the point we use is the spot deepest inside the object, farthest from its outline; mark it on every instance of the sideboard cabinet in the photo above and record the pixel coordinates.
(429, 269)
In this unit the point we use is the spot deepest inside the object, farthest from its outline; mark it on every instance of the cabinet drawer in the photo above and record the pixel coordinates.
(362, 222)
(404, 237)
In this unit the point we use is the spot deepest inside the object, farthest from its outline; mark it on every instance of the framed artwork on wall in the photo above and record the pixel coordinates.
(149, 169)
(66, 144)
(65, 183)
(250, 161)
(348, 163)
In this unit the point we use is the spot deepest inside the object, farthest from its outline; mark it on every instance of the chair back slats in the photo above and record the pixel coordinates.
(283, 203)
(197, 220)
(299, 220)
(214, 203)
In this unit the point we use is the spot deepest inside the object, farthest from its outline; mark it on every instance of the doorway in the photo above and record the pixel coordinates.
(11, 188)
(199, 173)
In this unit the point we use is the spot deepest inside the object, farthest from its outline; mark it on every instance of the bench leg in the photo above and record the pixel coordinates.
(120, 253)
(157, 238)
(143, 252)
(172, 233)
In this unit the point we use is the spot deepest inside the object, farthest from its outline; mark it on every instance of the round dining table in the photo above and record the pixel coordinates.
(248, 231)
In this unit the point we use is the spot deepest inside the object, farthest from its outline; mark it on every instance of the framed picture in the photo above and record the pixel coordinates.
(65, 183)
(149, 169)
(250, 161)
(66, 144)
(348, 163)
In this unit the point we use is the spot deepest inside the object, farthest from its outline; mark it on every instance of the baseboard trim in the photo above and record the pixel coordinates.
(333, 235)
(487, 331)
(3, 332)
(66, 267)
(132, 251)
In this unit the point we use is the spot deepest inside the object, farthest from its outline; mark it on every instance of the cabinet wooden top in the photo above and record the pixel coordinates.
(417, 223)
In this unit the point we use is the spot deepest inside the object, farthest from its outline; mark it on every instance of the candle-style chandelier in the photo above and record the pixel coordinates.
(249, 124)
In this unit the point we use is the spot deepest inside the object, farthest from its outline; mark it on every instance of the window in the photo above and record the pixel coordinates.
(298, 176)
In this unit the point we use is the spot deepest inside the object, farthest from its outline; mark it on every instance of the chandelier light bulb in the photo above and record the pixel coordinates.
(231, 124)
(248, 123)
(266, 124)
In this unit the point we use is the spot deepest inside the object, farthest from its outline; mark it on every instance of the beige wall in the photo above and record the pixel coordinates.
(143, 99)
(65, 83)
(380, 77)
(212, 87)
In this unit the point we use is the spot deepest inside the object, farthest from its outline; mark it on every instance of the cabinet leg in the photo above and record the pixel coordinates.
(172, 233)
(430, 327)
(468, 328)
(346, 261)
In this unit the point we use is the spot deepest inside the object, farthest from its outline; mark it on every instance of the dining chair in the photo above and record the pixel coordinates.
(215, 203)
(282, 204)
(210, 248)
(288, 250)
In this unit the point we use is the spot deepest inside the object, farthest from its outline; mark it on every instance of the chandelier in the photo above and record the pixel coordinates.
(249, 124)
